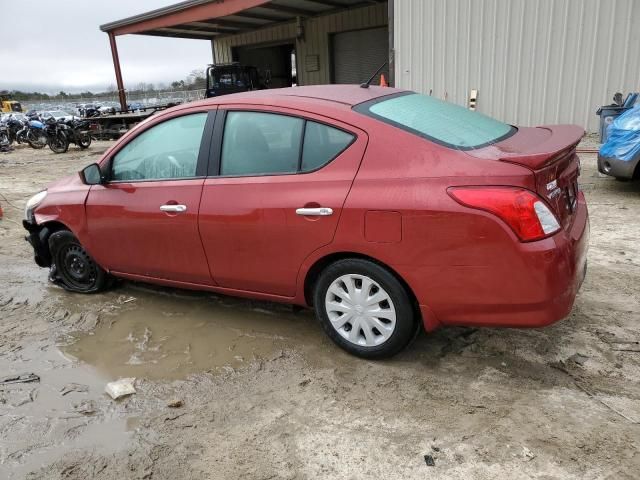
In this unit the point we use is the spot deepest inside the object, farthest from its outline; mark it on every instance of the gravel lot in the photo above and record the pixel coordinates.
(230, 388)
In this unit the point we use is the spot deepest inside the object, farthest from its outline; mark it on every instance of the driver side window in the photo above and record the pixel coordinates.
(168, 150)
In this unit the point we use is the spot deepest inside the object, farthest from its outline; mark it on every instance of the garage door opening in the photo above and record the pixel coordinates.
(275, 63)
(356, 55)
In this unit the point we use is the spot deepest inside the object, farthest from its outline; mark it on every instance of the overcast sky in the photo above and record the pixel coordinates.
(53, 45)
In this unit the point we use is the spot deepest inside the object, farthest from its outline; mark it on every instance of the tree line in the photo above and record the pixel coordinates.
(194, 81)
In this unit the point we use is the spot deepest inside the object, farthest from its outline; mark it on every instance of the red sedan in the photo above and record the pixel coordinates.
(383, 209)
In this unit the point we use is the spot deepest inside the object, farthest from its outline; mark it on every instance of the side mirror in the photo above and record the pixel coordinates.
(92, 175)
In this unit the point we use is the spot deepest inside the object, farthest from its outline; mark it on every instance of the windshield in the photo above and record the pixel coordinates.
(441, 122)
(59, 113)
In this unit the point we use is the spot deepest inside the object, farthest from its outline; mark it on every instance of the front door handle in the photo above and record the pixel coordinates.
(173, 208)
(320, 211)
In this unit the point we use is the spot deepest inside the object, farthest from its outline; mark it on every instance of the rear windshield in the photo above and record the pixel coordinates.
(229, 78)
(442, 122)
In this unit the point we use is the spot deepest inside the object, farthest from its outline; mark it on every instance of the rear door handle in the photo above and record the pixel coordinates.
(321, 211)
(173, 208)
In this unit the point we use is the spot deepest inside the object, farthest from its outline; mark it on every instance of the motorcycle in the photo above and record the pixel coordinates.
(4, 138)
(16, 131)
(57, 135)
(78, 132)
(33, 132)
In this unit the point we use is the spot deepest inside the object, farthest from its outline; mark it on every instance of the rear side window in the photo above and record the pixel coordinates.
(442, 122)
(258, 143)
(322, 144)
(229, 79)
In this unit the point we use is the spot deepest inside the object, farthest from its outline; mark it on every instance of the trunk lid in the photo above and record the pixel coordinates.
(550, 152)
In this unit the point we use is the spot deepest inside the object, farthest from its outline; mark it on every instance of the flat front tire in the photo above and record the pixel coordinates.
(72, 267)
(364, 308)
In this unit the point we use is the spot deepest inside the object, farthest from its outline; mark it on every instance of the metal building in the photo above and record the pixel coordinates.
(532, 62)
(298, 41)
(344, 46)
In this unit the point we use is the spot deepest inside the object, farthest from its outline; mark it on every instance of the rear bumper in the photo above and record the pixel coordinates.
(537, 290)
(616, 167)
(38, 238)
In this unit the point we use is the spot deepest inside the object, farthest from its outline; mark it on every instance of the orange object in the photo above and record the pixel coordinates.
(383, 81)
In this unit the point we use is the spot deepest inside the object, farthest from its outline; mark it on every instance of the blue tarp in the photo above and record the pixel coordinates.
(623, 141)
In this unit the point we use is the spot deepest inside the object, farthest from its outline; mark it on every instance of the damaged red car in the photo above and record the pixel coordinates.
(384, 210)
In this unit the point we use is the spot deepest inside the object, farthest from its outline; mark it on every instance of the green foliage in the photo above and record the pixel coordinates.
(21, 96)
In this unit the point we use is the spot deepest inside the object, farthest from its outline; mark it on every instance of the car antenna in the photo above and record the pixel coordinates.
(368, 82)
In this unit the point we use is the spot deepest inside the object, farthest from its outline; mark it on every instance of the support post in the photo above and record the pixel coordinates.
(392, 50)
(213, 51)
(116, 65)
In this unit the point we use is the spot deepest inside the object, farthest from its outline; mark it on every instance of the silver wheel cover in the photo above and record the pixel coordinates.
(360, 310)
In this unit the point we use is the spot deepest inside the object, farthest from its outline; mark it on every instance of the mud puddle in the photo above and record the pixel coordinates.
(25, 283)
(168, 335)
(65, 410)
(143, 332)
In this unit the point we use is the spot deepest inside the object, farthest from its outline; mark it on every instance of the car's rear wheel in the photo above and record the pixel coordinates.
(72, 266)
(364, 308)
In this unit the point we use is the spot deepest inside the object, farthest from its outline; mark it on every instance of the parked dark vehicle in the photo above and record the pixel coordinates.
(223, 79)
(57, 135)
(89, 111)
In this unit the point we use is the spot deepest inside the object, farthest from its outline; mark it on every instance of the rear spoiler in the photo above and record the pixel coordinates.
(562, 140)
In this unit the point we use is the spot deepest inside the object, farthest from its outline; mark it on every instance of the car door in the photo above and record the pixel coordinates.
(275, 193)
(143, 220)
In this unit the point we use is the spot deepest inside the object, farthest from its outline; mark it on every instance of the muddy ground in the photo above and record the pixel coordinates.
(264, 395)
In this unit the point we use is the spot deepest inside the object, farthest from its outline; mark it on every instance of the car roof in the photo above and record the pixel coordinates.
(348, 95)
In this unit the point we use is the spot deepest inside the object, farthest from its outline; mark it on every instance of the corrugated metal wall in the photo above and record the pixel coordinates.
(533, 61)
(316, 39)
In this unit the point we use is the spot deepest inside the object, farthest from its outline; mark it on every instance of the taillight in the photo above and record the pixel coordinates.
(526, 213)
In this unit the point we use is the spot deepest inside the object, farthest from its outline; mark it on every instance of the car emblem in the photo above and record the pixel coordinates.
(555, 193)
(552, 185)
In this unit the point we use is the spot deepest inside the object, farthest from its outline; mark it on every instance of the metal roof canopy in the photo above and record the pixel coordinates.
(208, 19)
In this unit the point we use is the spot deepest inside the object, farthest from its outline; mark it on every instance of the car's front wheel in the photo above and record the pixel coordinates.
(72, 267)
(364, 308)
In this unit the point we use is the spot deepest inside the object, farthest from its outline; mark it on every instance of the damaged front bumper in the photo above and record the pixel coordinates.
(38, 238)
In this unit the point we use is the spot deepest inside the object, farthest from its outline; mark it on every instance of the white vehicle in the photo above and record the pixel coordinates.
(57, 114)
